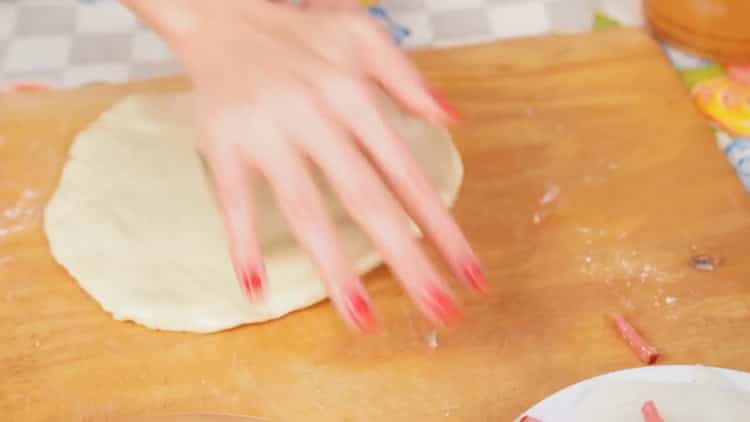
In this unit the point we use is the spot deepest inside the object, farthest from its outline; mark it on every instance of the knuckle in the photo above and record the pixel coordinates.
(364, 201)
(343, 86)
(349, 94)
(284, 92)
(371, 205)
(300, 203)
(406, 172)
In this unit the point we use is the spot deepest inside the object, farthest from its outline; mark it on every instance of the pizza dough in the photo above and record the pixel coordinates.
(135, 222)
(710, 397)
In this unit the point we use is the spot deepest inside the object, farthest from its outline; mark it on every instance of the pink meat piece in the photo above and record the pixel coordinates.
(645, 352)
(650, 412)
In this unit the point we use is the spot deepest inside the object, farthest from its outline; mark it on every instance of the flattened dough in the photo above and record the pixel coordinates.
(134, 220)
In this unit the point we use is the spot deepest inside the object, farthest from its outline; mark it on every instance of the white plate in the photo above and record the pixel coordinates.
(560, 407)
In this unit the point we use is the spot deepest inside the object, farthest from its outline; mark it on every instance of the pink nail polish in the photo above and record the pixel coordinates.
(255, 282)
(445, 105)
(442, 305)
(475, 276)
(252, 284)
(360, 312)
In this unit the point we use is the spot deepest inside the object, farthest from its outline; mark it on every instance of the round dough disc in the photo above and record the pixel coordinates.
(134, 220)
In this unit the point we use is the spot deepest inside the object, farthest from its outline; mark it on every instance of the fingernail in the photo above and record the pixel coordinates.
(445, 105)
(442, 305)
(253, 285)
(360, 312)
(475, 276)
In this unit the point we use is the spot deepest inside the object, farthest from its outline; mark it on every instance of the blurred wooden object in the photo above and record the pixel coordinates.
(717, 29)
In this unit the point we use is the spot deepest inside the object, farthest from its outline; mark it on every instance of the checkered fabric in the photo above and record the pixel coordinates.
(63, 42)
(68, 43)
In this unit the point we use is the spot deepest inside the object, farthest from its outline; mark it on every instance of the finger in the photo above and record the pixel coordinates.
(299, 200)
(373, 207)
(234, 195)
(388, 65)
(361, 112)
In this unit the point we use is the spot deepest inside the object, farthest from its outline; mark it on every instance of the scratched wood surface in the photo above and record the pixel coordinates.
(590, 182)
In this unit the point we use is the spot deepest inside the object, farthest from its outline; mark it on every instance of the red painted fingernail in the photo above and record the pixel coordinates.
(255, 282)
(445, 105)
(475, 276)
(442, 305)
(252, 284)
(361, 312)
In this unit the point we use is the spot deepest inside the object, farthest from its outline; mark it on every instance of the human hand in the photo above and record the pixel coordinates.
(333, 4)
(253, 65)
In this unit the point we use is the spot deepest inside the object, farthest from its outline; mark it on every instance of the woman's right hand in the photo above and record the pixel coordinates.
(276, 85)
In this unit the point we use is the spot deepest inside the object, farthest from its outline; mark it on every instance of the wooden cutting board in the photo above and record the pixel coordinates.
(590, 182)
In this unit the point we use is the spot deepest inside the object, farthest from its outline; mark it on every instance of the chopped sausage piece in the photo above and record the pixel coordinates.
(645, 352)
(650, 412)
(529, 419)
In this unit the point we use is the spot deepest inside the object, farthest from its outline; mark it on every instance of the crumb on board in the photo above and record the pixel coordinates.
(551, 193)
(705, 262)
(645, 352)
(432, 341)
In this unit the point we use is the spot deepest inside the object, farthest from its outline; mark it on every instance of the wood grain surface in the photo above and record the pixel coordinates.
(590, 182)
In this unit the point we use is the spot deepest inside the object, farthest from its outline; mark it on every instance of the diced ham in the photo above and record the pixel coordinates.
(650, 412)
(529, 419)
(645, 352)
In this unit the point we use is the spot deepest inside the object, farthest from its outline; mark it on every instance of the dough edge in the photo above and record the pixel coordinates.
(55, 218)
